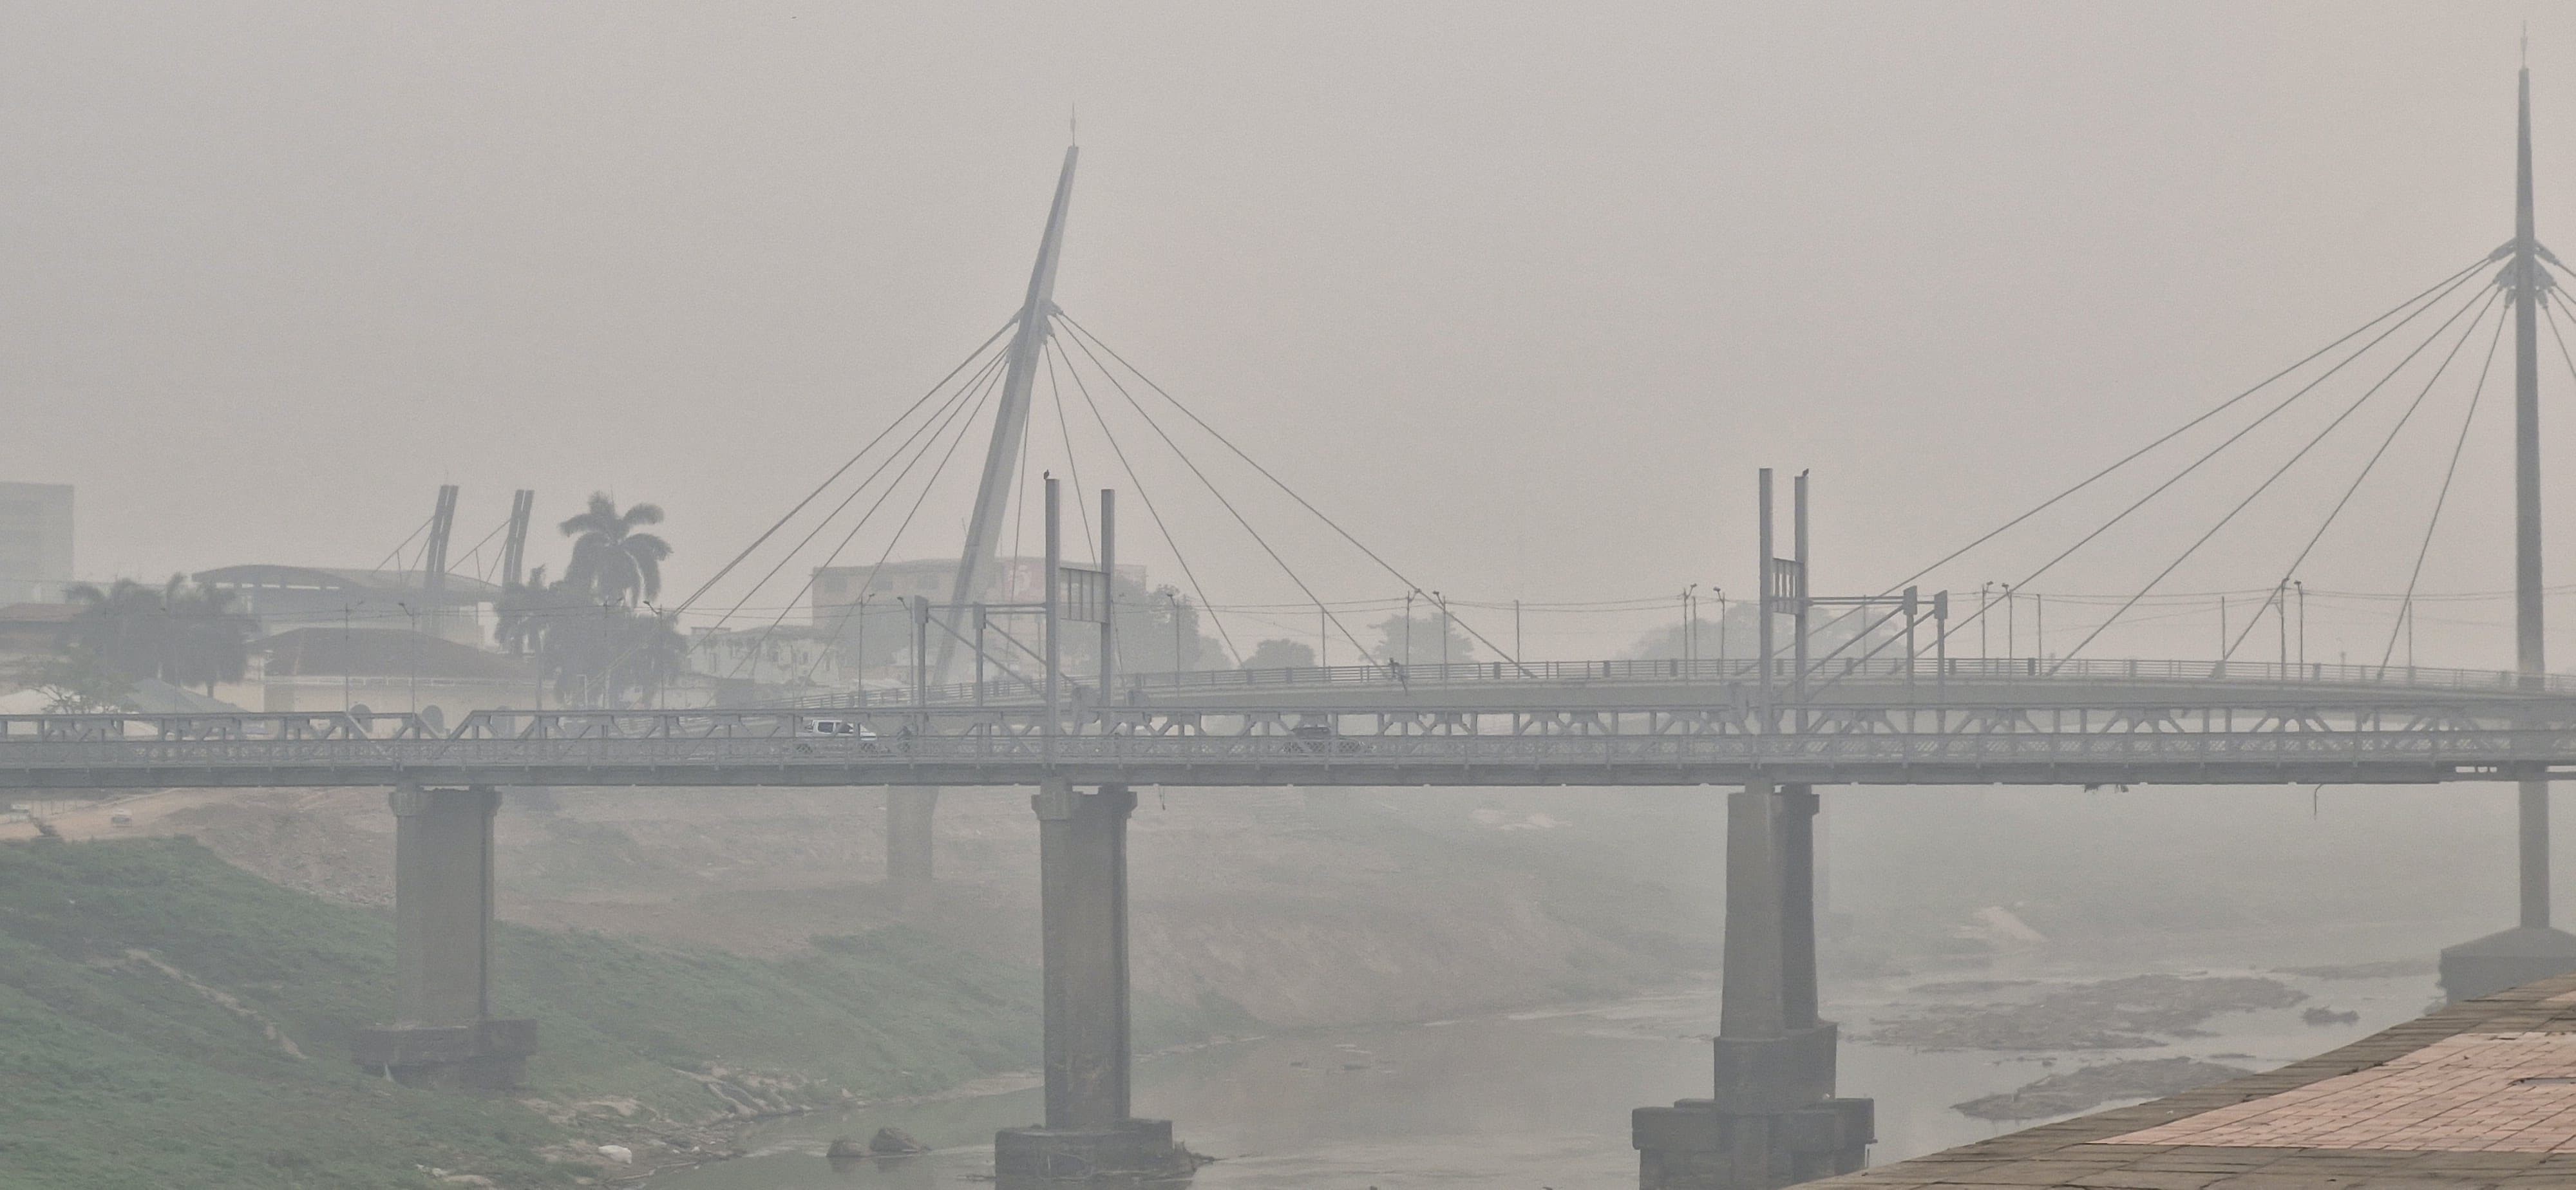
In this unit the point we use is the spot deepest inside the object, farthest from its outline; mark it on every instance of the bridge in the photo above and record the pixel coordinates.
(1881, 701)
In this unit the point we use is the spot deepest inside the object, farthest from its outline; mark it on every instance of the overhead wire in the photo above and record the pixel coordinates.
(2428, 292)
(2267, 483)
(2466, 333)
(2420, 302)
(927, 486)
(1151, 509)
(844, 468)
(407, 540)
(981, 390)
(1084, 333)
(1072, 460)
(2406, 605)
(1222, 500)
(982, 377)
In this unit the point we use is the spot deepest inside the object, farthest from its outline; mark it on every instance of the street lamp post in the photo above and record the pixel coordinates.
(414, 618)
(1721, 628)
(1689, 628)
(1984, 589)
(2301, 587)
(1441, 602)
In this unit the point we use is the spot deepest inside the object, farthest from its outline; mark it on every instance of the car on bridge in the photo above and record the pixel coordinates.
(1323, 738)
(843, 735)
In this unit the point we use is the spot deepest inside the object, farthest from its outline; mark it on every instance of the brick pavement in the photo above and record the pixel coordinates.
(2468, 1098)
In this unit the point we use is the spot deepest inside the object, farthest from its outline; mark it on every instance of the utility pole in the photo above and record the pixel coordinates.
(1408, 627)
(1441, 602)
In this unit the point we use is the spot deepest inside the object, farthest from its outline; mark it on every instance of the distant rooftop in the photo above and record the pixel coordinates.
(383, 653)
(384, 584)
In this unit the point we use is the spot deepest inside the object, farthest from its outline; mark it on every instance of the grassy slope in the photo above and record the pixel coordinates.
(116, 1072)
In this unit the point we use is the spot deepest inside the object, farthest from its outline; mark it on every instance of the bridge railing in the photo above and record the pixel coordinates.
(1233, 758)
(1712, 671)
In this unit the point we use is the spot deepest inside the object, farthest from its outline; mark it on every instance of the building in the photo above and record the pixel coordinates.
(387, 669)
(285, 598)
(839, 590)
(35, 542)
(863, 609)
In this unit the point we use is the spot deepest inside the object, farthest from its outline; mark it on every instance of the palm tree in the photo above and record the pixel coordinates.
(526, 611)
(208, 641)
(609, 559)
(183, 635)
(122, 627)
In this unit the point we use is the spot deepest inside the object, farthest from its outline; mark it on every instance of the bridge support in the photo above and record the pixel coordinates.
(444, 1034)
(1773, 1119)
(2533, 949)
(1082, 862)
(910, 812)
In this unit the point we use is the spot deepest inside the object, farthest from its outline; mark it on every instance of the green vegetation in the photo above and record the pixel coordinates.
(168, 1020)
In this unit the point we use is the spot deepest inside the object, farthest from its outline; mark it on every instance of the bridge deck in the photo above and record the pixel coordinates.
(2088, 731)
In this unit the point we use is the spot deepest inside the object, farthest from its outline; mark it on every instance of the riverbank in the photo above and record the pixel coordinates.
(1542, 1096)
(169, 1020)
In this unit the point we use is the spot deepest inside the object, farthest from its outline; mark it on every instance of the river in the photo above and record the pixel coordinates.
(1531, 1099)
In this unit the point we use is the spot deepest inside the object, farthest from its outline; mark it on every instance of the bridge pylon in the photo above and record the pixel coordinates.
(444, 1034)
(2533, 949)
(1772, 1118)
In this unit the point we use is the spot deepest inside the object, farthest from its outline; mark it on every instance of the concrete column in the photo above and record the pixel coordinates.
(443, 904)
(1082, 862)
(1772, 1118)
(444, 1033)
(910, 811)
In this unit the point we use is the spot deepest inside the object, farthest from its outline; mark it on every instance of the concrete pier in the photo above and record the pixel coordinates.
(1772, 1118)
(444, 1033)
(1088, 1133)
(911, 811)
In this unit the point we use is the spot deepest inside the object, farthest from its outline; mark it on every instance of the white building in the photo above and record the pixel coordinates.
(35, 542)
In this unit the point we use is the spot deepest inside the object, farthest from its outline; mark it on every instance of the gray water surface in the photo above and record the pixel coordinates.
(1536, 1099)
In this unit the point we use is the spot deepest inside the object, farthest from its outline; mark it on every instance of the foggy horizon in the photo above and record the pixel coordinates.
(1576, 273)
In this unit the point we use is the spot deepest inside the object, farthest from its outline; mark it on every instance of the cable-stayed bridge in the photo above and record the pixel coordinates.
(1040, 688)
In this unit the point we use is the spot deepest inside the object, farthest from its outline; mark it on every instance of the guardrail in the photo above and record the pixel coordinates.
(2211, 757)
(1718, 672)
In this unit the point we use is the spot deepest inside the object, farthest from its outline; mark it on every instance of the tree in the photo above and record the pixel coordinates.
(1158, 632)
(609, 559)
(121, 628)
(75, 683)
(608, 655)
(1424, 639)
(523, 611)
(1280, 654)
(593, 652)
(209, 642)
(181, 634)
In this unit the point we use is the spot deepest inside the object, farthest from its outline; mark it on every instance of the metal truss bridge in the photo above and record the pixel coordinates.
(1577, 724)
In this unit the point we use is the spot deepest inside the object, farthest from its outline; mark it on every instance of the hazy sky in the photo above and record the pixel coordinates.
(1521, 293)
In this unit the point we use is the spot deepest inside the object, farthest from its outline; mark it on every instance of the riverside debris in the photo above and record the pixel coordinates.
(2093, 1086)
(2111, 1014)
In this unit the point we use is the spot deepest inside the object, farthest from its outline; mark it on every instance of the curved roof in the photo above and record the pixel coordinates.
(462, 588)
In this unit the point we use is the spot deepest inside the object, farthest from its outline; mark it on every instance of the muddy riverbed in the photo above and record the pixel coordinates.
(1542, 1098)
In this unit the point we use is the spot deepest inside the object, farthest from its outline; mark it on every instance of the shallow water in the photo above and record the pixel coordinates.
(1536, 1099)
